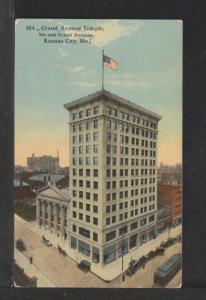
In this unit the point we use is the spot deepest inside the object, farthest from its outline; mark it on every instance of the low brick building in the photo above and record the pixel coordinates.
(171, 194)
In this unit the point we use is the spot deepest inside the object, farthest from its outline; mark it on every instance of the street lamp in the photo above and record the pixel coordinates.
(123, 277)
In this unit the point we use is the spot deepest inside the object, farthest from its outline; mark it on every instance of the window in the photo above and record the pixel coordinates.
(95, 172)
(95, 123)
(73, 243)
(87, 172)
(95, 236)
(87, 207)
(123, 230)
(88, 112)
(113, 219)
(95, 136)
(74, 172)
(95, 197)
(95, 221)
(81, 160)
(95, 184)
(81, 138)
(108, 209)
(74, 139)
(84, 248)
(81, 114)
(133, 226)
(87, 219)
(74, 214)
(151, 218)
(88, 137)
(95, 160)
(81, 126)
(74, 128)
(88, 149)
(96, 110)
(80, 216)
(108, 197)
(87, 160)
(74, 228)
(95, 209)
(81, 150)
(84, 232)
(80, 205)
(143, 222)
(95, 148)
(109, 136)
(110, 236)
(87, 125)
(107, 221)
(74, 116)
(87, 196)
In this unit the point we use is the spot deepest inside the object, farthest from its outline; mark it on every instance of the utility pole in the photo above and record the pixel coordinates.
(123, 258)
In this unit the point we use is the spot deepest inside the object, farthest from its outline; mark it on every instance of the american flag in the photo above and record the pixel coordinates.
(110, 63)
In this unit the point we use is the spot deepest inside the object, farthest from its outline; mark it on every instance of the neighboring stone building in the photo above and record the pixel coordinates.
(52, 206)
(113, 176)
(171, 194)
(45, 163)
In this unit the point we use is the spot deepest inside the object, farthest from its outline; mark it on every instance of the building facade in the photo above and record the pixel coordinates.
(52, 205)
(113, 176)
(171, 194)
(45, 163)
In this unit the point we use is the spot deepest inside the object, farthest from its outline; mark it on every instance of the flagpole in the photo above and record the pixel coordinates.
(102, 69)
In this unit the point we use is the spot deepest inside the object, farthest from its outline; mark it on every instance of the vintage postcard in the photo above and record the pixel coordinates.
(98, 153)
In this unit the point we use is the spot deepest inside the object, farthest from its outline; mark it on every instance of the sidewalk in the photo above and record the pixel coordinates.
(114, 269)
(31, 270)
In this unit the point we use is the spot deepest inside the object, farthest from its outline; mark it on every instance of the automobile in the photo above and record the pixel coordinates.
(133, 266)
(160, 251)
(85, 266)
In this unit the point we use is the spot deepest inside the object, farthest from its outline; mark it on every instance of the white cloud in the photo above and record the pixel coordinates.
(77, 69)
(114, 30)
(62, 52)
(85, 84)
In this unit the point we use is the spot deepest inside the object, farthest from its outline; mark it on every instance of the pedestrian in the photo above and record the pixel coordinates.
(31, 259)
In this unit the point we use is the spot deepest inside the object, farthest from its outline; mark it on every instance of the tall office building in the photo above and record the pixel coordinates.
(113, 176)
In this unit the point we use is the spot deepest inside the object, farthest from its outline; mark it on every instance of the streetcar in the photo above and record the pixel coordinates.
(166, 271)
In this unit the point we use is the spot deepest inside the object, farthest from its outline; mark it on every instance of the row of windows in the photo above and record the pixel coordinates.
(122, 184)
(125, 161)
(113, 196)
(87, 160)
(125, 183)
(86, 113)
(88, 172)
(86, 149)
(113, 125)
(124, 216)
(87, 125)
(113, 173)
(88, 195)
(126, 116)
(85, 218)
(125, 150)
(85, 138)
(123, 230)
(87, 206)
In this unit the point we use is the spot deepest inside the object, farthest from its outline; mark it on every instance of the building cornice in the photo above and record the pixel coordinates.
(110, 97)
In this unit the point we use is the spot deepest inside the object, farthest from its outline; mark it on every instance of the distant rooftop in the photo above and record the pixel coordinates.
(108, 95)
(18, 183)
(53, 177)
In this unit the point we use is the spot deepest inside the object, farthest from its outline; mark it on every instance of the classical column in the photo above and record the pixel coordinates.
(55, 216)
(43, 212)
(49, 211)
(38, 206)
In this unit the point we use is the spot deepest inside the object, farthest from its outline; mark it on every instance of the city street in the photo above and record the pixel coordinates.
(62, 271)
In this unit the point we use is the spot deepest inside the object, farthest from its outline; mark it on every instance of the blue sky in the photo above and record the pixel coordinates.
(149, 56)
